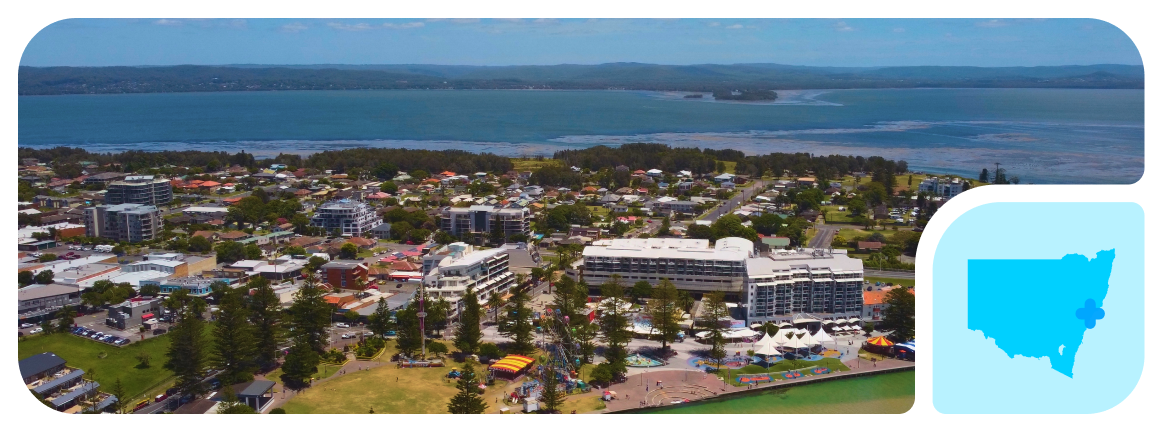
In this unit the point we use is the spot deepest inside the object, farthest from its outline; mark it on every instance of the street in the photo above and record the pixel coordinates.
(730, 205)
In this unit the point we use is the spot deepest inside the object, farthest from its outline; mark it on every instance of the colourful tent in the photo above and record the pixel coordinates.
(880, 341)
(512, 363)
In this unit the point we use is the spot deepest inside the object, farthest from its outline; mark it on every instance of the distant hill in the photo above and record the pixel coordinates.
(628, 76)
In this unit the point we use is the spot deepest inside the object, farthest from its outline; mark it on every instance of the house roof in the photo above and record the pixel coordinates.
(39, 364)
(869, 245)
(253, 388)
(877, 296)
(231, 235)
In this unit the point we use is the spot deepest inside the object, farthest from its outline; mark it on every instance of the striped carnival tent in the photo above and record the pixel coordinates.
(879, 341)
(511, 364)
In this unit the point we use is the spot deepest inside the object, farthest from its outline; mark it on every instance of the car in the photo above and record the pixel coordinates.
(347, 336)
(97, 336)
(342, 325)
(77, 330)
(390, 333)
(36, 330)
(160, 397)
(368, 333)
(27, 325)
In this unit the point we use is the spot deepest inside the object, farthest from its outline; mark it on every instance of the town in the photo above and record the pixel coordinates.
(207, 282)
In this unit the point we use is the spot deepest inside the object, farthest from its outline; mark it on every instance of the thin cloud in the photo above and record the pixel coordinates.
(235, 23)
(898, 30)
(734, 26)
(410, 25)
(545, 21)
(713, 24)
(168, 22)
(294, 27)
(843, 27)
(992, 23)
(349, 27)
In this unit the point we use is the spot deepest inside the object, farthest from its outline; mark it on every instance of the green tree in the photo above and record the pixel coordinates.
(613, 323)
(65, 322)
(715, 311)
(45, 277)
(495, 304)
(551, 398)
(519, 326)
(984, 176)
(234, 342)
(664, 228)
(408, 332)
(25, 278)
(641, 289)
(437, 348)
(199, 244)
(231, 405)
(310, 315)
(664, 311)
(468, 332)
(301, 362)
(266, 315)
(295, 251)
(497, 231)
(150, 290)
(467, 399)
(348, 251)
(229, 251)
(252, 251)
(380, 321)
(602, 373)
(186, 356)
(314, 263)
(900, 317)
(118, 392)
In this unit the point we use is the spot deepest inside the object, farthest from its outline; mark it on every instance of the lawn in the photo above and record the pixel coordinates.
(830, 363)
(835, 215)
(118, 363)
(851, 233)
(730, 166)
(532, 164)
(892, 281)
(599, 211)
(583, 403)
(387, 390)
(325, 370)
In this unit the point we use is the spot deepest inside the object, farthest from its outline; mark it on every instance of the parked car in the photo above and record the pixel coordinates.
(27, 325)
(342, 325)
(122, 342)
(368, 333)
(347, 336)
(160, 397)
(36, 330)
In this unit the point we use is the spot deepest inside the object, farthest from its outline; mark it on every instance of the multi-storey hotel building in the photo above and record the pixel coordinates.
(449, 271)
(480, 219)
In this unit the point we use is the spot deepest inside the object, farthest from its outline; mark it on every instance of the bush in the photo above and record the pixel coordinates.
(278, 411)
(369, 347)
(490, 350)
(334, 356)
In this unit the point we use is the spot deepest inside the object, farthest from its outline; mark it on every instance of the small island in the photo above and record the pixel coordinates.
(745, 95)
(693, 96)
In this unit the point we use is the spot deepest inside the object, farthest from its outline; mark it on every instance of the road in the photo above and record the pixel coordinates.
(900, 274)
(739, 198)
(823, 237)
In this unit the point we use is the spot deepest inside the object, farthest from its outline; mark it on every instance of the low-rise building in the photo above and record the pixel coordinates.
(37, 302)
(343, 274)
(133, 312)
(197, 285)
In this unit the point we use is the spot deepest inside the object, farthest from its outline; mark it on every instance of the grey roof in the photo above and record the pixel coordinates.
(81, 390)
(40, 363)
(37, 291)
(48, 387)
(342, 264)
(200, 406)
(253, 388)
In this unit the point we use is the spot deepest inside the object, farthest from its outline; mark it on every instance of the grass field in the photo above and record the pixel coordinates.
(117, 362)
(599, 211)
(835, 215)
(387, 390)
(852, 233)
(583, 403)
(532, 164)
(325, 370)
(830, 363)
(730, 166)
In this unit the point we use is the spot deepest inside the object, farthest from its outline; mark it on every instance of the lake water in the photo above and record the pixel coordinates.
(891, 393)
(1039, 135)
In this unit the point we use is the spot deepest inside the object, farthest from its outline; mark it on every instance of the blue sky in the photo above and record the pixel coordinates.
(813, 42)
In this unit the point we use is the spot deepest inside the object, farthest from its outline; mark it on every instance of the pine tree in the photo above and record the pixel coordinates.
(301, 362)
(664, 311)
(551, 397)
(65, 324)
(468, 400)
(900, 316)
(234, 342)
(715, 311)
(468, 332)
(380, 321)
(266, 315)
(118, 391)
(613, 323)
(408, 328)
(186, 356)
(520, 326)
(310, 315)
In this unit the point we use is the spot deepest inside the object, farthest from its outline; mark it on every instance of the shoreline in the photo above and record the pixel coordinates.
(777, 384)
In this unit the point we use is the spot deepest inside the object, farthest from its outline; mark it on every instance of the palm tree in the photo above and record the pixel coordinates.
(495, 303)
(521, 279)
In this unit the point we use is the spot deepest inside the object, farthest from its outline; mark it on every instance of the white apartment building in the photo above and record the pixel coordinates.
(123, 222)
(142, 189)
(772, 286)
(942, 187)
(448, 272)
(480, 219)
(691, 264)
(818, 282)
(350, 218)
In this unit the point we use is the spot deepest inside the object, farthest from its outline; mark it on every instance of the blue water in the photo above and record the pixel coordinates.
(1040, 135)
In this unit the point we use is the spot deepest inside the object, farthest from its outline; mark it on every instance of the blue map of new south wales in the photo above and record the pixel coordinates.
(1039, 307)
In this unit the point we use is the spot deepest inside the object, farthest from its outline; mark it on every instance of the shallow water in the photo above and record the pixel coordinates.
(891, 393)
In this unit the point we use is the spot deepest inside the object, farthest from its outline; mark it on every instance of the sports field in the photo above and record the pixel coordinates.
(107, 362)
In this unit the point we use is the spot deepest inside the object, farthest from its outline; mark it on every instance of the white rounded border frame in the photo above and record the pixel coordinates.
(1144, 192)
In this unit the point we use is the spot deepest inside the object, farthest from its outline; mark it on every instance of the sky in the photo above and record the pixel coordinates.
(499, 42)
